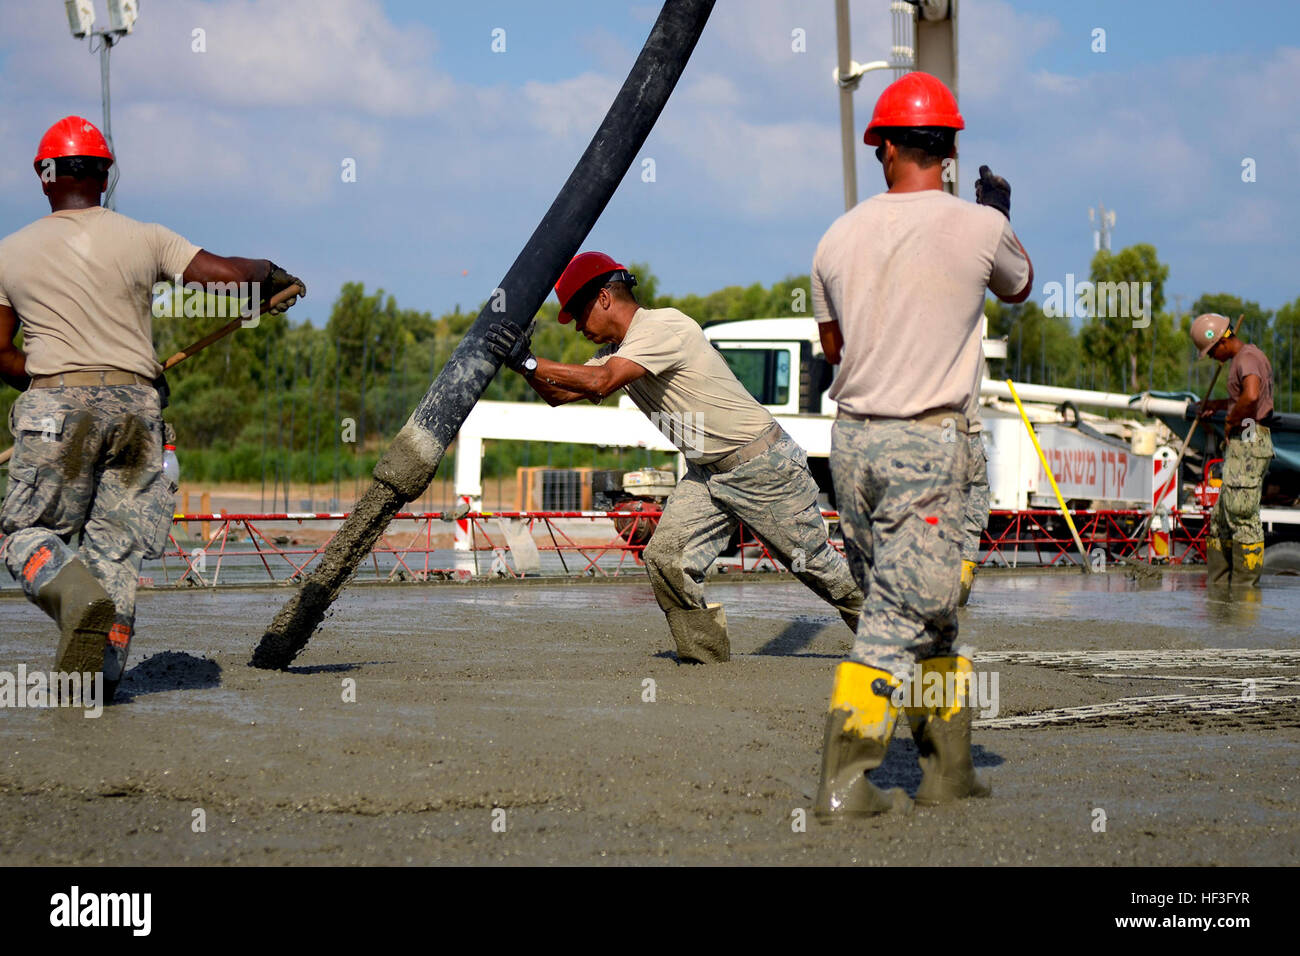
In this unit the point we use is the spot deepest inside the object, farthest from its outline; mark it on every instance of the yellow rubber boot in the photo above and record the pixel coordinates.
(942, 732)
(1247, 563)
(858, 727)
(967, 582)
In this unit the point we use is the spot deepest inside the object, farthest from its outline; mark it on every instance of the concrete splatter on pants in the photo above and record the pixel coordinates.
(976, 515)
(1236, 514)
(88, 461)
(775, 496)
(900, 486)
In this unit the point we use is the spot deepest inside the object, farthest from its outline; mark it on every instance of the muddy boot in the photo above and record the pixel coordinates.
(115, 655)
(701, 634)
(858, 728)
(942, 736)
(84, 612)
(851, 616)
(967, 582)
(1217, 564)
(1247, 563)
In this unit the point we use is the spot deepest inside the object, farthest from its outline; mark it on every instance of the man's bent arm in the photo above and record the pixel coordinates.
(560, 383)
(13, 363)
(1245, 405)
(832, 340)
(206, 267)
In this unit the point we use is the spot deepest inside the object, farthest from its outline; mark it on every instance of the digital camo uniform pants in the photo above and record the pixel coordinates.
(900, 486)
(88, 462)
(1235, 527)
(775, 496)
(976, 513)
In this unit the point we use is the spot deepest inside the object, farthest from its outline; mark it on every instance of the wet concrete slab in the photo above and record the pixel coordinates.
(549, 723)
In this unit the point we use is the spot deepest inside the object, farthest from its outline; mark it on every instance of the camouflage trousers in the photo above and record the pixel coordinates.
(1236, 514)
(901, 486)
(775, 496)
(87, 464)
(975, 517)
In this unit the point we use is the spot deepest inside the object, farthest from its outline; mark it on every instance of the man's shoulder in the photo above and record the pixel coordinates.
(1253, 355)
(668, 320)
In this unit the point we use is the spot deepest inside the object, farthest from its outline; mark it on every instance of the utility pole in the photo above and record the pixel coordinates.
(1105, 221)
(122, 15)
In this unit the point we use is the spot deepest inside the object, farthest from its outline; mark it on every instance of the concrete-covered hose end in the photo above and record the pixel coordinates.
(410, 461)
(304, 612)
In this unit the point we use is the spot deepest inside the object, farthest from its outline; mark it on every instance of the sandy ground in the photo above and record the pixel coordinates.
(507, 724)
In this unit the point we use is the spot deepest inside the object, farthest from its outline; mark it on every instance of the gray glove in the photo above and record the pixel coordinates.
(277, 280)
(991, 190)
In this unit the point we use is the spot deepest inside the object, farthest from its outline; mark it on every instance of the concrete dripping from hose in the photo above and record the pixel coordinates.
(304, 612)
(401, 475)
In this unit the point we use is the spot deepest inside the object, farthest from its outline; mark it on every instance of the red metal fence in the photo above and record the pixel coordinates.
(417, 545)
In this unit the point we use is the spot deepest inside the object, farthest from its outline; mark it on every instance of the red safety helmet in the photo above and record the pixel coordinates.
(914, 99)
(72, 136)
(584, 270)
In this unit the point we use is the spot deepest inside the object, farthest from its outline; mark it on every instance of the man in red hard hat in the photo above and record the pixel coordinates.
(741, 466)
(88, 429)
(1235, 528)
(898, 286)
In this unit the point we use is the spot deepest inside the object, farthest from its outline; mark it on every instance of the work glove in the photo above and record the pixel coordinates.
(510, 344)
(991, 190)
(277, 281)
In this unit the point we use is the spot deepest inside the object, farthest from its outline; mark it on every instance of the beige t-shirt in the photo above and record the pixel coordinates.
(904, 275)
(1251, 360)
(975, 421)
(81, 281)
(689, 393)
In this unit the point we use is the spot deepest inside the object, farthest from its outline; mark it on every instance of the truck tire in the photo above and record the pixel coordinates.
(1282, 558)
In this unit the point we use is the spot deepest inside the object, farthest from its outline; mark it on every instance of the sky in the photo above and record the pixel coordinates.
(459, 149)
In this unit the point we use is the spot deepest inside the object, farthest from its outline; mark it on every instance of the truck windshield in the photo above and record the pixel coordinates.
(765, 373)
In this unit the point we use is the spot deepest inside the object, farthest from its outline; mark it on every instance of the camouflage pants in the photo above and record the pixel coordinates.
(88, 462)
(901, 492)
(976, 515)
(775, 496)
(1236, 514)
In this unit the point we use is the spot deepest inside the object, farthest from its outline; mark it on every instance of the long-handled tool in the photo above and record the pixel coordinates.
(207, 340)
(1065, 513)
(1187, 442)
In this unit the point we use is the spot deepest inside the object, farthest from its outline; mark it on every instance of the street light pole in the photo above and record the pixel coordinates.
(106, 44)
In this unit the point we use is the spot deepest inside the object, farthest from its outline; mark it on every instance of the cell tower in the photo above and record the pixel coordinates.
(1104, 219)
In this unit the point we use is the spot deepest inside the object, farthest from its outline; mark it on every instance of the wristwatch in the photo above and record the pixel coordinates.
(528, 367)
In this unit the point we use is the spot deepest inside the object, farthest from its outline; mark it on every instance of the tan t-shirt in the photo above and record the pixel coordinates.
(689, 392)
(81, 281)
(904, 275)
(1252, 361)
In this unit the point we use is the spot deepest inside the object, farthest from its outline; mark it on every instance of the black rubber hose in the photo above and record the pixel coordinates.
(411, 460)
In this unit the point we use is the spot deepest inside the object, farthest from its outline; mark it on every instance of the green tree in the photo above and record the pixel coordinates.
(1113, 337)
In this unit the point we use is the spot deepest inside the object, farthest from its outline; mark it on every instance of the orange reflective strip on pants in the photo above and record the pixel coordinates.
(120, 636)
(36, 562)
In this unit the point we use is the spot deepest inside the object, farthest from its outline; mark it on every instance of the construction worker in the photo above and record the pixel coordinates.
(741, 466)
(1234, 549)
(898, 287)
(88, 429)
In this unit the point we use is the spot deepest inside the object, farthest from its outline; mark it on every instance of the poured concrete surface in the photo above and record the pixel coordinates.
(528, 699)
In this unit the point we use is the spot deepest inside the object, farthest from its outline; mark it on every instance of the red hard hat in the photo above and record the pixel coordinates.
(914, 99)
(586, 267)
(72, 136)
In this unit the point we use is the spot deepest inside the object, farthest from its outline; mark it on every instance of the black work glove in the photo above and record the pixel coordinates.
(510, 344)
(991, 190)
(276, 282)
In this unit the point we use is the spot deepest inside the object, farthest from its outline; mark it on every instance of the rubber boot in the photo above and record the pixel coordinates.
(967, 582)
(858, 728)
(701, 634)
(1247, 564)
(84, 612)
(1217, 564)
(115, 655)
(942, 735)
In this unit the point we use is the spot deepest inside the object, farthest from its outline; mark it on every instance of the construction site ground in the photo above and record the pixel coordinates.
(1140, 721)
